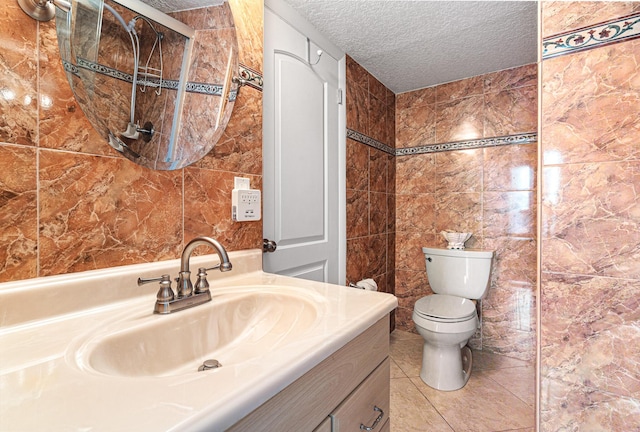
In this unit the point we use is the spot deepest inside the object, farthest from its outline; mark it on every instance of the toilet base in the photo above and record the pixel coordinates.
(446, 368)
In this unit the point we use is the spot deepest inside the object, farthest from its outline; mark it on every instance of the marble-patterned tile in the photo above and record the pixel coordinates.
(410, 286)
(357, 213)
(562, 16)
(522, 76)
(377, 89)
(403, 319)
(377, 119)
(500, 332)
(415, 174)
(357, 165)
(357, 109)
(366, 257)
(211, 55)
(416, 212)
(247, 16)
(391, 212)
(377, 170)
(460, 212)
(390, 125)
(127, 214)
(239, 148)
(521, 381)
(18, 213)
(589, 332)
(511, 111)
(391, 282)
(510, 168)
(411, 411)
(198, 125)
(459, 171)
(415, 126)
(460, 120)
(62, 123)
(514, 262)
(377, 213)
(18, 67)
(591, 105)
(459, 89)
(510, 214)
(487, 407)
(409, 246)
(590, 219)
(416, 98)
(565, 407)
(356, 74)
(214, 219)
(391, 255)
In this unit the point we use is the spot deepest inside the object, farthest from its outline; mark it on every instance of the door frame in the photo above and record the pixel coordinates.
(291, 17)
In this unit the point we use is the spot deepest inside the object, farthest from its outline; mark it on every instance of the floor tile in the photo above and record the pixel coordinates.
(411, 411)
(481, 406)
(407, 353)
(396, 372)
(484, 360)
(521, 381)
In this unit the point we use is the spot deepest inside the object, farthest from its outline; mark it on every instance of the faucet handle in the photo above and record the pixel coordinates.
(202, 284)
(165, 293)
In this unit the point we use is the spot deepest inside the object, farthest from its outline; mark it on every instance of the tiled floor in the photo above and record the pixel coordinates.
(500, 395)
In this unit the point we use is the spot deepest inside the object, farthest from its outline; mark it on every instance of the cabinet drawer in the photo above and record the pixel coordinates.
(360, 407)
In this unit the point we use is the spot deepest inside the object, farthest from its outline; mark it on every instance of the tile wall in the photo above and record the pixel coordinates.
(370, 180)
(590, 226)
(69, 203)
(490, 192)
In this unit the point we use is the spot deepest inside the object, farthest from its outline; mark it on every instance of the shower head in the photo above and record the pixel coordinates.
(43, 10)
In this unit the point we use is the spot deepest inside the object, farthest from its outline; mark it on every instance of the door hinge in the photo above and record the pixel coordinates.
(339, 96)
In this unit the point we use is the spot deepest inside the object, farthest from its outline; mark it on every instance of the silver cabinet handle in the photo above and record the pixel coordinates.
(375, 423)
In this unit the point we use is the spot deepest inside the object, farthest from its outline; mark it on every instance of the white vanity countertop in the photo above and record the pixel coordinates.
(43, 385)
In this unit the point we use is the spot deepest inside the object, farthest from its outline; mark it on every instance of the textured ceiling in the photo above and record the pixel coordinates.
(409, 45)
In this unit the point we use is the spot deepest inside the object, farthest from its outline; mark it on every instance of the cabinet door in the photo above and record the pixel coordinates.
(325, 426)
(368, 405)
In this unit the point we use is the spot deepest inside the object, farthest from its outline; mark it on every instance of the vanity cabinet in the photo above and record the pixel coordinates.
(335, 396)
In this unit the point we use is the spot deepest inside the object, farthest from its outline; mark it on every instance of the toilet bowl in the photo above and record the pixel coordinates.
(447, 319)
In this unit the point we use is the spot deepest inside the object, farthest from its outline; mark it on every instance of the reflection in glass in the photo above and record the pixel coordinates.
(130, 75)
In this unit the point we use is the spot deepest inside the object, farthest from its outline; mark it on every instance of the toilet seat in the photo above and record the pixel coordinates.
(445, 308)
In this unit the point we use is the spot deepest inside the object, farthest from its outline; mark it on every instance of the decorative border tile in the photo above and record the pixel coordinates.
(617, 30)
(363, 139)
(251, 77)
(525, 138)
(192, 87)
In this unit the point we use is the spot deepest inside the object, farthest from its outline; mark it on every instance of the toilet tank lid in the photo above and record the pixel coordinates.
(465, 253)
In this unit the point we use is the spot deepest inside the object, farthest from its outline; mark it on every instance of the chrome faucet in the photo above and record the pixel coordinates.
(186, 296)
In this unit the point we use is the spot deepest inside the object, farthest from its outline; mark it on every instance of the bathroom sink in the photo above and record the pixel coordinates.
(235, 327)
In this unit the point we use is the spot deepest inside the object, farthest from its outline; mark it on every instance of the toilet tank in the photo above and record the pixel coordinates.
(463, 273)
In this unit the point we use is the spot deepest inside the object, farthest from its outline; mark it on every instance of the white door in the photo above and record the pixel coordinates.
(300, 155)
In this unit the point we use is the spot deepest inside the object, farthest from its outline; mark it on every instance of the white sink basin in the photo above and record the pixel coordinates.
(85, 352)
(234, 327)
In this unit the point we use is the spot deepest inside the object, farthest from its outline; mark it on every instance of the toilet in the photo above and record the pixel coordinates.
(447, 319)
